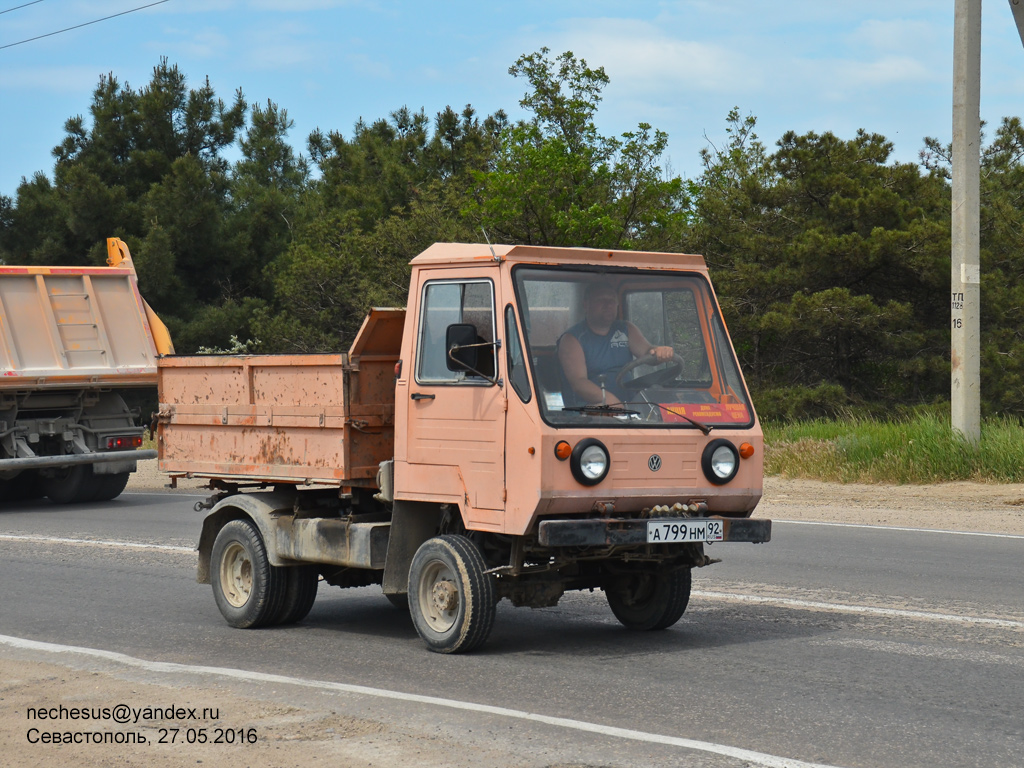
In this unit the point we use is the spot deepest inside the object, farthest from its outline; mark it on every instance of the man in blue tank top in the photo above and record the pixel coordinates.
(600, 346)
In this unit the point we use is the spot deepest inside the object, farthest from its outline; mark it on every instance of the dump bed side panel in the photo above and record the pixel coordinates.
(275, 417)
(278, 417)
(73, 327)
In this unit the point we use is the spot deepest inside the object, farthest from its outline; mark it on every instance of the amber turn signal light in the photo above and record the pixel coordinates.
(562, 450)
(746, 450)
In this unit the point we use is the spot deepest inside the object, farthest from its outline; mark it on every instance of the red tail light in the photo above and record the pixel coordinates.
(124, 443)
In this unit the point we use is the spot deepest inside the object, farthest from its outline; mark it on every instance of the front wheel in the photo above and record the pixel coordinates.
(451, 599)
(249, 591)
(651, 598)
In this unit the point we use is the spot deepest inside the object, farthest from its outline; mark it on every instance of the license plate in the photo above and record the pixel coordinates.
(665, 532)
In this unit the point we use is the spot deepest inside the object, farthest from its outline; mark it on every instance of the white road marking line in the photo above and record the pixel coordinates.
(898, 528)
(845, 608)
(755, 758)
(95, 543)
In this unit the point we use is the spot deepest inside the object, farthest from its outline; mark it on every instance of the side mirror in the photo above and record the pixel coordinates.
(461, 343)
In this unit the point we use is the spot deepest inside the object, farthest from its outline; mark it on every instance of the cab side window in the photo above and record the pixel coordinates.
(446, 303)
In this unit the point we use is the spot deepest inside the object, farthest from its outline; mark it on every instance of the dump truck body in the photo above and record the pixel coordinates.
(450, 458)
(311, 419)
(71, 340)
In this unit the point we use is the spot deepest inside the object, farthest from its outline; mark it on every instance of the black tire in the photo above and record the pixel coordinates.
(451, 600)
(299, 593)
(73, 485)
(649, 599)
(249, 591)
(110, 486)
(399, 600)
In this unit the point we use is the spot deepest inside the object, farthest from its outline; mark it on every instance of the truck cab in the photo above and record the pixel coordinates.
(487, 437)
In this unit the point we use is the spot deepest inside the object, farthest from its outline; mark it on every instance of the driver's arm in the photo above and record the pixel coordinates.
(574, 365)
(639, 346)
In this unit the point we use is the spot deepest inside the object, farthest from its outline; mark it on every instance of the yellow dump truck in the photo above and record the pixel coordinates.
(72, 339)
(536, 420)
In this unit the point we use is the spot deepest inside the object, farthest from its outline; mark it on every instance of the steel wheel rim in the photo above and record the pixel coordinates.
(439, 596)
(236, 575)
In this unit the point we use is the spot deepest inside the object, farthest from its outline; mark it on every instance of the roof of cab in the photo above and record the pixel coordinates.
(481, 253)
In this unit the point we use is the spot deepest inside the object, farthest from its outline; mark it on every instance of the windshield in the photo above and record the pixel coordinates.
(628, 348)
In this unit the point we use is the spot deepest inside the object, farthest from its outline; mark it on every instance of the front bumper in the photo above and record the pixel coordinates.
(618, 532)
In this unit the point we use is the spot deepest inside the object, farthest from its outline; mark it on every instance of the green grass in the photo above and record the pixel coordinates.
(920, 449)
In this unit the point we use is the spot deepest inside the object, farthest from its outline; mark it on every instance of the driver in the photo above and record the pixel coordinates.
(595, 350)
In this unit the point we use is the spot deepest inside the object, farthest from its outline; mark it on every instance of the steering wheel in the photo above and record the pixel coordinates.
(652, 379)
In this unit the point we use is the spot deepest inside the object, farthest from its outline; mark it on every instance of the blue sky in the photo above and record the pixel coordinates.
(804, 64)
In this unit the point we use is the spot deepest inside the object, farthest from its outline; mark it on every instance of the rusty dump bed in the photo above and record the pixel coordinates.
(324, 419)
(66, 327)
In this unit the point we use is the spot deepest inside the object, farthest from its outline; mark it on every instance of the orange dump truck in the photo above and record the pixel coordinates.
(467, 450)
(72, 340)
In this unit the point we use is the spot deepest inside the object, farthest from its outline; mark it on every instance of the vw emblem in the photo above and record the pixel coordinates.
(654, 463)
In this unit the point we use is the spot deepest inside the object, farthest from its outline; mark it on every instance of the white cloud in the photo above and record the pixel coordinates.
(62, 80)
(283, 46)
(896, 35)
(363, 64)
(887, 70)
(208, 43)
(637, 55)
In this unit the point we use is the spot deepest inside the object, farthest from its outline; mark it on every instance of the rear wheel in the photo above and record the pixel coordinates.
(451, 598)
(249, 591)
(110, 486)
(651, 598)
(72, 485)
(299, 593)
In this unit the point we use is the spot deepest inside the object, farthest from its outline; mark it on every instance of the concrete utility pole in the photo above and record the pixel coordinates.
(965, 306)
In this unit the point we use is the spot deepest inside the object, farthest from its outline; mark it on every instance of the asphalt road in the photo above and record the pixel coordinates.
(841, 646)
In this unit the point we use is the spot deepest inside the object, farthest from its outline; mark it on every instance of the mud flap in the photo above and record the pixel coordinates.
(412, 523)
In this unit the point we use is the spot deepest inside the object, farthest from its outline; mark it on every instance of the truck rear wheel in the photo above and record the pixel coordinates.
(249, 591)
(451, 599)
(652, 598)
(110, 486)
(72, 485)
(299, 593)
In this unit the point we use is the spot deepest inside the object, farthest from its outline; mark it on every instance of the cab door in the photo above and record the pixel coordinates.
(456, 419)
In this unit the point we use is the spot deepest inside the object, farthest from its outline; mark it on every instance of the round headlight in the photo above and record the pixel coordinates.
(594, 462)
(720, 461)
(589, 462)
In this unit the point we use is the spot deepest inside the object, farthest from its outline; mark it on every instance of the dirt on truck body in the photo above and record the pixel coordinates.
(536, 420)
